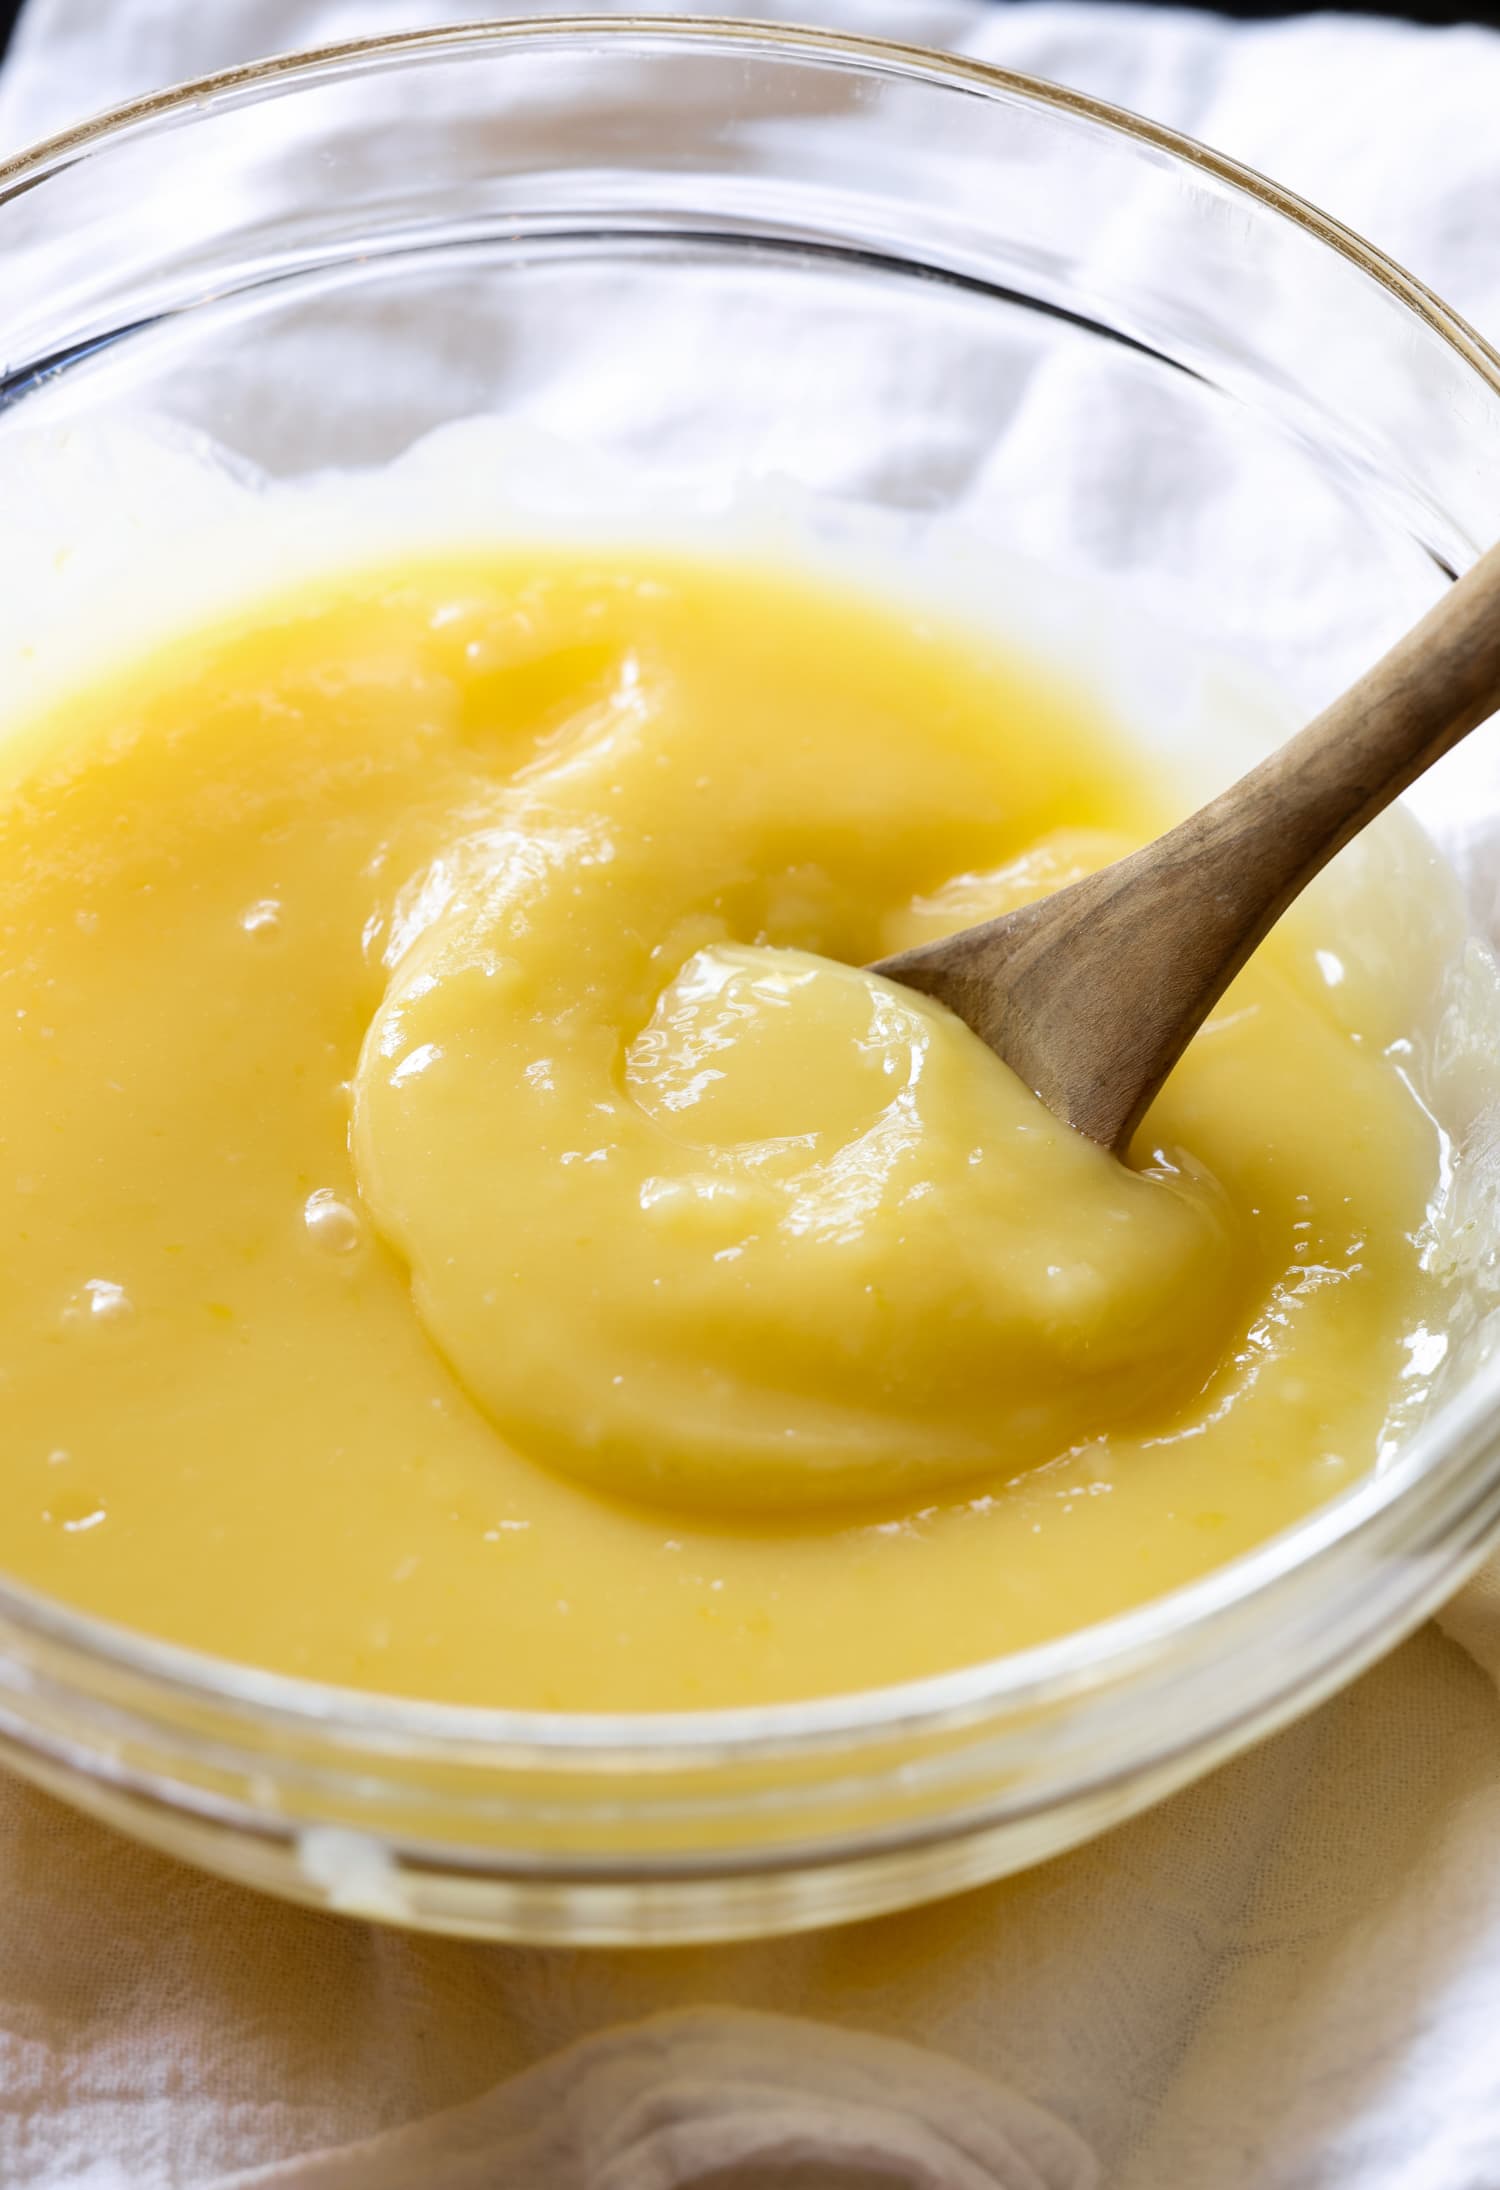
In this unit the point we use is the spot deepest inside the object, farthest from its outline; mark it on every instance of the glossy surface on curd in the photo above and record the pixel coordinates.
(478, 1235)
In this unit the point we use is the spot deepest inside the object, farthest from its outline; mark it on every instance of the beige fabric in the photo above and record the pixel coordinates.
(1286, 1978)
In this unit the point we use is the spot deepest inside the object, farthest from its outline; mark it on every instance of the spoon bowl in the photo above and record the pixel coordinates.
(1091, 995)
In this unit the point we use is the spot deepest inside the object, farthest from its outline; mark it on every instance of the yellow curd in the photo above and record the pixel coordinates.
(476, 1233)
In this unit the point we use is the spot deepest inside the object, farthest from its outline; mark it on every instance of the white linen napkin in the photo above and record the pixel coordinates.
(1287, 1977)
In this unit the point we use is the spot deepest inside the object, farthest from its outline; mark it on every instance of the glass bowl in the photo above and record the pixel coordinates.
(894, 281)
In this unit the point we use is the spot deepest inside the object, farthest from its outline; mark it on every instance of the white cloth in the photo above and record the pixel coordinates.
(1286, 1978)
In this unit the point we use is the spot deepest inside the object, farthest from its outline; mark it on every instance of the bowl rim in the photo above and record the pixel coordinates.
(1073, 1663)
(196, 98)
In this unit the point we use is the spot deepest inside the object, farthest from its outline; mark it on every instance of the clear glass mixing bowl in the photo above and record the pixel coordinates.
(897, 280)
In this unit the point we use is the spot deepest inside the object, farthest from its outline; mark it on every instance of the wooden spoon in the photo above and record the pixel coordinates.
(1092, 995)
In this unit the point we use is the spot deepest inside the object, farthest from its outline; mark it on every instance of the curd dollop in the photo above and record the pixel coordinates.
(477, 1231)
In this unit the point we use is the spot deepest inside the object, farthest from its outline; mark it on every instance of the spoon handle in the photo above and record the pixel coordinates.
(1093, 994)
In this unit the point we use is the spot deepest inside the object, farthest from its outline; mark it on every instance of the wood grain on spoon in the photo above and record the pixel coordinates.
(1092, 995)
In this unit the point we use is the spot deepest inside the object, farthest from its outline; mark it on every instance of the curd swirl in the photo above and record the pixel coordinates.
(478, 1232)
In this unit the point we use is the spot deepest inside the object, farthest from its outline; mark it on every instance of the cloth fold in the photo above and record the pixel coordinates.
(753, 2101)
(1287, 1977)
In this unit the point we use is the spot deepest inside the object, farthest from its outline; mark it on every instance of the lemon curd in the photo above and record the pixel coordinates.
(475, 1232)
